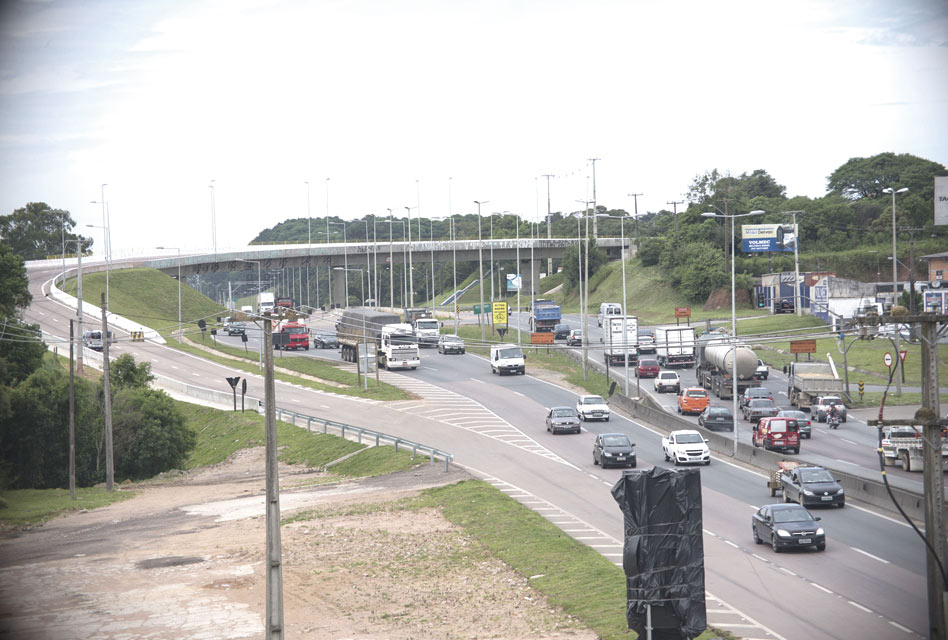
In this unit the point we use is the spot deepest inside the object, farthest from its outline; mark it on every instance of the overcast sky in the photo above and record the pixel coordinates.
(383, 104)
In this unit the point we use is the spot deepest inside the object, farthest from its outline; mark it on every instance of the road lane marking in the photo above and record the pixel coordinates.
(849, 441)
(476, 380)
(866, 553)
(859, 606)
(429, 368)
(821, 588)
(760, 557)
(898, 626)
(787, 571)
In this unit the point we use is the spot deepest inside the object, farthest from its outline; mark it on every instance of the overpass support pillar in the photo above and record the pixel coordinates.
(530, 269)
(338, 288)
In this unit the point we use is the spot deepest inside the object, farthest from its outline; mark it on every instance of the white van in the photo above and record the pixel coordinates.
(506, 359)
(93, 340)
(607, 309)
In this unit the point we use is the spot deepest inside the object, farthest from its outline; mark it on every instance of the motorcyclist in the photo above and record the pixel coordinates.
(833, 418)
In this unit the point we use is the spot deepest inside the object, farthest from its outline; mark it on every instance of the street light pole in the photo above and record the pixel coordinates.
(733, 317)
(259, 289)
(895, 287)
(213, 219)
(179, 288)
(480, 265)
(309, 249)
(636, 197)
(411, 273)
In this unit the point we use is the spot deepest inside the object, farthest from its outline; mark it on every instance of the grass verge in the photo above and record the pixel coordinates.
(28, 507)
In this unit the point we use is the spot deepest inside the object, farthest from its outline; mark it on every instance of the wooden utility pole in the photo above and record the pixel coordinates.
(109, 467)
(274, 622)
(72, 416)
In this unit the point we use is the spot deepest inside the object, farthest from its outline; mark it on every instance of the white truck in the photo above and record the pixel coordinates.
(684, 446)
(621, 334)
(807, 381)
(398, 347)
(675, 346)
(393, 342)
(427, 331)
(265, 302)
(904, 445)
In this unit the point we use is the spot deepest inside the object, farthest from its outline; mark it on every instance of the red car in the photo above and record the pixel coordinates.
(646, 368)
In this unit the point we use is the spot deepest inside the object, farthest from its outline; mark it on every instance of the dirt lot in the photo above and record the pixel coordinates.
(184, 559)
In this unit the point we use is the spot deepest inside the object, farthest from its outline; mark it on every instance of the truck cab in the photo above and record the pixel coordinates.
(291, 335)
(781, 434)
(427, 331)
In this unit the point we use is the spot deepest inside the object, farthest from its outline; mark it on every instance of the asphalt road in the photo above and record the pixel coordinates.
(868, 583)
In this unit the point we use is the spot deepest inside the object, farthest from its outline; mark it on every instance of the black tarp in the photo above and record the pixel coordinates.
(663, 553)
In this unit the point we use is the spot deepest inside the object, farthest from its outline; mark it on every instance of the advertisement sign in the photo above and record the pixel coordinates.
(500, 312)
(758, 238)
(941, 199)
(682, 312)
(936, 301)
(542, 338)
(803, 346)
(514, 282)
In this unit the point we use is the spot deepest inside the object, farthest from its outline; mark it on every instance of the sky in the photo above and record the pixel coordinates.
(434, 104)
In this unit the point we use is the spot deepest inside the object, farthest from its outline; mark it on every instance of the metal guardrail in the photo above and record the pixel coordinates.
(360, 432)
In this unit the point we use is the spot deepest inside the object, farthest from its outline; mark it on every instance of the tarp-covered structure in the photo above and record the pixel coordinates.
(663, 552)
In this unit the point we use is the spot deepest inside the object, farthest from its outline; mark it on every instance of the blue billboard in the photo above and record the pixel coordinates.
(759, 238)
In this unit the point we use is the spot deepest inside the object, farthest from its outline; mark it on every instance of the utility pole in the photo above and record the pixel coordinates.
(109, 467)
(274, 567)
(79, 306)
(675, 204)
(72, 418)
(636, 196)
(549, 224)
(595, 226)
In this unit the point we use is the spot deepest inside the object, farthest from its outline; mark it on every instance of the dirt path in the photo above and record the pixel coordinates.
(184, 559)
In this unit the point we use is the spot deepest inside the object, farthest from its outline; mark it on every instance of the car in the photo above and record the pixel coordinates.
(562, 419)
(759, 408)
(778, 434)
(613, 449)
(592, 408)
(716, 418)
(685, 446)
(822, 408)
(647, 341)
(575, 338)
(667, 381)
(450, 343)
(693, 400)
(762, 372)
(786, 526)
(647, 368)
(561, 331)
(235, 328)
(784, 306)
(803, 421)
(325, 340)
(755, 392)
(810, 485)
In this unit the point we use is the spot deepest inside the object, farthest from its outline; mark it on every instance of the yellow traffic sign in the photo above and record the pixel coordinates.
(500, 312)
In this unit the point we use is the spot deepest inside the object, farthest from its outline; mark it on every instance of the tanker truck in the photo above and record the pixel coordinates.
(715, 365)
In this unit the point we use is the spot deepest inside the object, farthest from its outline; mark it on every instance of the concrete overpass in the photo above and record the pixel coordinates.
(361, 254)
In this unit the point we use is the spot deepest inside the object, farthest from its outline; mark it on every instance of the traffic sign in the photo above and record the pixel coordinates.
(887, 359)
(500, 312)
(902, 355)
(803, 346)
(862, 388)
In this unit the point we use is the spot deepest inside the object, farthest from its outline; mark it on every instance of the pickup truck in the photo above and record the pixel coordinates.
(806, 484)
(686, 445)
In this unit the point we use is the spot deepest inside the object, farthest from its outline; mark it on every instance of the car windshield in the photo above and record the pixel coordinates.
(328, 336)
(689, 438)
(815, 475)
(295, 330)
(781, 426)
(513, 352)
(757, 392)
(450, 338)
(564, 413)
(592, 400)
(796, 415)
(648, 363)
(562, 327)
(668, 376)
(761, 403)
(719, 412)
(616, 441)
(578, 333)
(832, 401)
(792, 515)
(426, 324)
(697, 393)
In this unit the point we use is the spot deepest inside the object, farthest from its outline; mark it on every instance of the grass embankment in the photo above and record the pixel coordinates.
(27, 507)
(150, 297)
(570, 574)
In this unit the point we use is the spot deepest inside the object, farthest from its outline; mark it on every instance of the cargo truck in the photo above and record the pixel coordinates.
(904, 445)
(620, 333)
(545, 316)
(291, 335)
(675, 346)
(807, 381)
(265, 302)
(392, 341)
(427, 331)
(715, 367)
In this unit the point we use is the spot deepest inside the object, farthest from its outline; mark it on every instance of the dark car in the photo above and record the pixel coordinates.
(784, 306)
(803, 421)
(646, 368)
(752, 393)
(716, 418)
(236, 328)
(759, 408)
(575, 338)
(613, 449)
(813, 486)
(448, 343)
(562, 419)
(325, 340)
(561, 332)
(787, 525)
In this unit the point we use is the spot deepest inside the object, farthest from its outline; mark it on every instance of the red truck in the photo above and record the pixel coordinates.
(777, 433)
(291, 335)
(286, 303)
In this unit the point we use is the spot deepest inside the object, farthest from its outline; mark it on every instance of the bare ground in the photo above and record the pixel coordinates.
(184, 559)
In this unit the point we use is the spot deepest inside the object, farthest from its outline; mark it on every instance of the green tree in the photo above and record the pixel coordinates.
(150, 434)
(14, 285)
(124, 372)
(702, 273)
(570, 262)
(37, 231)
(21, 351)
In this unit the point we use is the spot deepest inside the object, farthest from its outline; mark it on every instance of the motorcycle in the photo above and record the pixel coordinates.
(832, 421)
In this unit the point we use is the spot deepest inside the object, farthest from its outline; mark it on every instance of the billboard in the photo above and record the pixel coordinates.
(941, 199)
(514, 282)
(757, 238)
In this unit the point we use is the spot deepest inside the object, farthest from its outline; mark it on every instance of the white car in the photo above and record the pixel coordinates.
(592, 408)
(684, 446)
(667, 381)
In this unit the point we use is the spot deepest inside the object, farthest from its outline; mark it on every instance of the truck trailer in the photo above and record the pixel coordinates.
(392, 341)
(675, 346)
(545, 316)
(715, 367)
(807, 381)
(621, 334)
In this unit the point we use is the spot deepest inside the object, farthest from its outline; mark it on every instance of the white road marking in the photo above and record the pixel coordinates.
(898, 626)
(429, 368)
(866, 553)
(859, 606)
(476, 380)
(821, 588)
(787, 571)
(760, 557)
(732, 544)
(849, 441)
(520, 394)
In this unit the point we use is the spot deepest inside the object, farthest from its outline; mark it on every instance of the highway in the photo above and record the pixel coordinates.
(868, 583)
